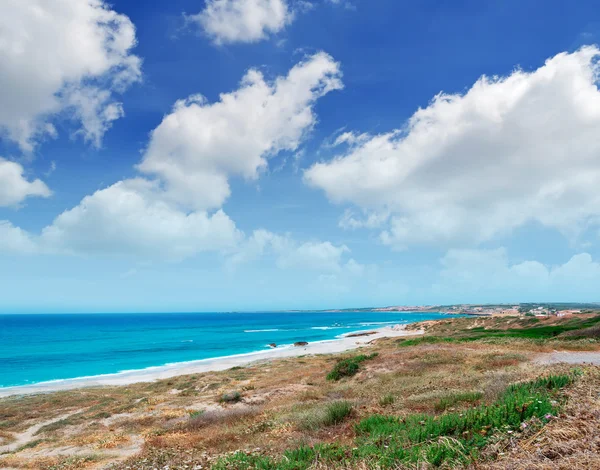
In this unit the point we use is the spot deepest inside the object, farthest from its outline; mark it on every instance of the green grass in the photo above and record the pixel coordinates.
(337, 412)
(448, 440)
(453, 399)
(322, 416)
(196, 414)
(424, 340)
(348, 367)
(568, 330)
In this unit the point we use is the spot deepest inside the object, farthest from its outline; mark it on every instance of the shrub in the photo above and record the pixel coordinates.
(348, 367)
(231, 397)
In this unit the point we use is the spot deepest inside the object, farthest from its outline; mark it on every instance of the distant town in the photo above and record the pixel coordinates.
(522, 309)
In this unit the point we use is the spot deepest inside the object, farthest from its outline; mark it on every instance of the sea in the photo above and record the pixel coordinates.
(51, 347)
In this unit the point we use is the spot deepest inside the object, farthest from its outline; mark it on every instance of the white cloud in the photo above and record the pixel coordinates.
(470, 167)
(15, 240)
(488, 275)
(15, 188)
(200, 145)
(372, 220)
(318, 256)
(231, 21)
(191, 154)
(62, 57)
(131, 217)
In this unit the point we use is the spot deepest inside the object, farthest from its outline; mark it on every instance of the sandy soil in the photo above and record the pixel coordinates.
(569, 357)
(27, 436)
(151, 374)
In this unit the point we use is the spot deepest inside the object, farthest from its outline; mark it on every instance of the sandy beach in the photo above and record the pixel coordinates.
(346, 343)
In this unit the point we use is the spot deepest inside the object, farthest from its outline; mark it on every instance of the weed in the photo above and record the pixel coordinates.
(348, 367)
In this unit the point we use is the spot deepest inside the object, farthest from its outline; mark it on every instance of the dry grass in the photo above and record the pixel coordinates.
(571, 441)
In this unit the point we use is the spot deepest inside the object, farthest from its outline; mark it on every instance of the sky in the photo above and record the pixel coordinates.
(243, 155)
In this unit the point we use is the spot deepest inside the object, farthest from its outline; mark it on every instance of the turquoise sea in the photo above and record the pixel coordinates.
(39, 348)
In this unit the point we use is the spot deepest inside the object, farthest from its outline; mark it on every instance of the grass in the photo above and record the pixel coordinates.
(525, 328)
(321, 416)
(455, 398)
(348, 367)
(449, 440)
(337, 412)
(387, 400)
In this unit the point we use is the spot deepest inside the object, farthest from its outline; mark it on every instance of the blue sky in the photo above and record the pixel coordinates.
(269, 154)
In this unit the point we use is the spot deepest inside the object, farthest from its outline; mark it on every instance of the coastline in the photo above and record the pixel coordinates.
(345, 343)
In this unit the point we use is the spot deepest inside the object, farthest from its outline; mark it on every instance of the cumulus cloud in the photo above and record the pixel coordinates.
(200, 145)
(318, 256)
(131, 217)
(64, 58)
(239, 21)
(472, 166)
(15, 188)
(489, 275)
(175, 211)
(15, 240)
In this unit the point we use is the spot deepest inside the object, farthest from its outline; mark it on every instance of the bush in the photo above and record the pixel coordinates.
(348, 367)
(231, 397)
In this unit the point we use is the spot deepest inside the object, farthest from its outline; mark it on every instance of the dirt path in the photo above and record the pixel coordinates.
(569, 357)
(27, 436)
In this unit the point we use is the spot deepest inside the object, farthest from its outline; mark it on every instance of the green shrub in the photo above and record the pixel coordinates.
(231, 397)
(196, 414)
(348, 367)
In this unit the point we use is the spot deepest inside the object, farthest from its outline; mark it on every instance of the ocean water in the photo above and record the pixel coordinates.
(39, 348)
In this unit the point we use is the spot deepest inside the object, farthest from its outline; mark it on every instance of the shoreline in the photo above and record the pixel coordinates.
(349, 341)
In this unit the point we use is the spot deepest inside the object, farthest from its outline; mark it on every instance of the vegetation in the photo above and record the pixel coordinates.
(348, 367)
(337, 412)
(448, 439)
(527, 328)
(387, 400)
(455, 398)
(231, 397)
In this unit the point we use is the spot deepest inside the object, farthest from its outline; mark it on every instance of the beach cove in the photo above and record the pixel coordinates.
(93, 350)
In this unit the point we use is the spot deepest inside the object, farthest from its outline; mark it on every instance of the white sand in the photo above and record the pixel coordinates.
(207, 365)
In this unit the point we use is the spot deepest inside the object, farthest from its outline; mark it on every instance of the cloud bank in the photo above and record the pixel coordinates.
(470, 167)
